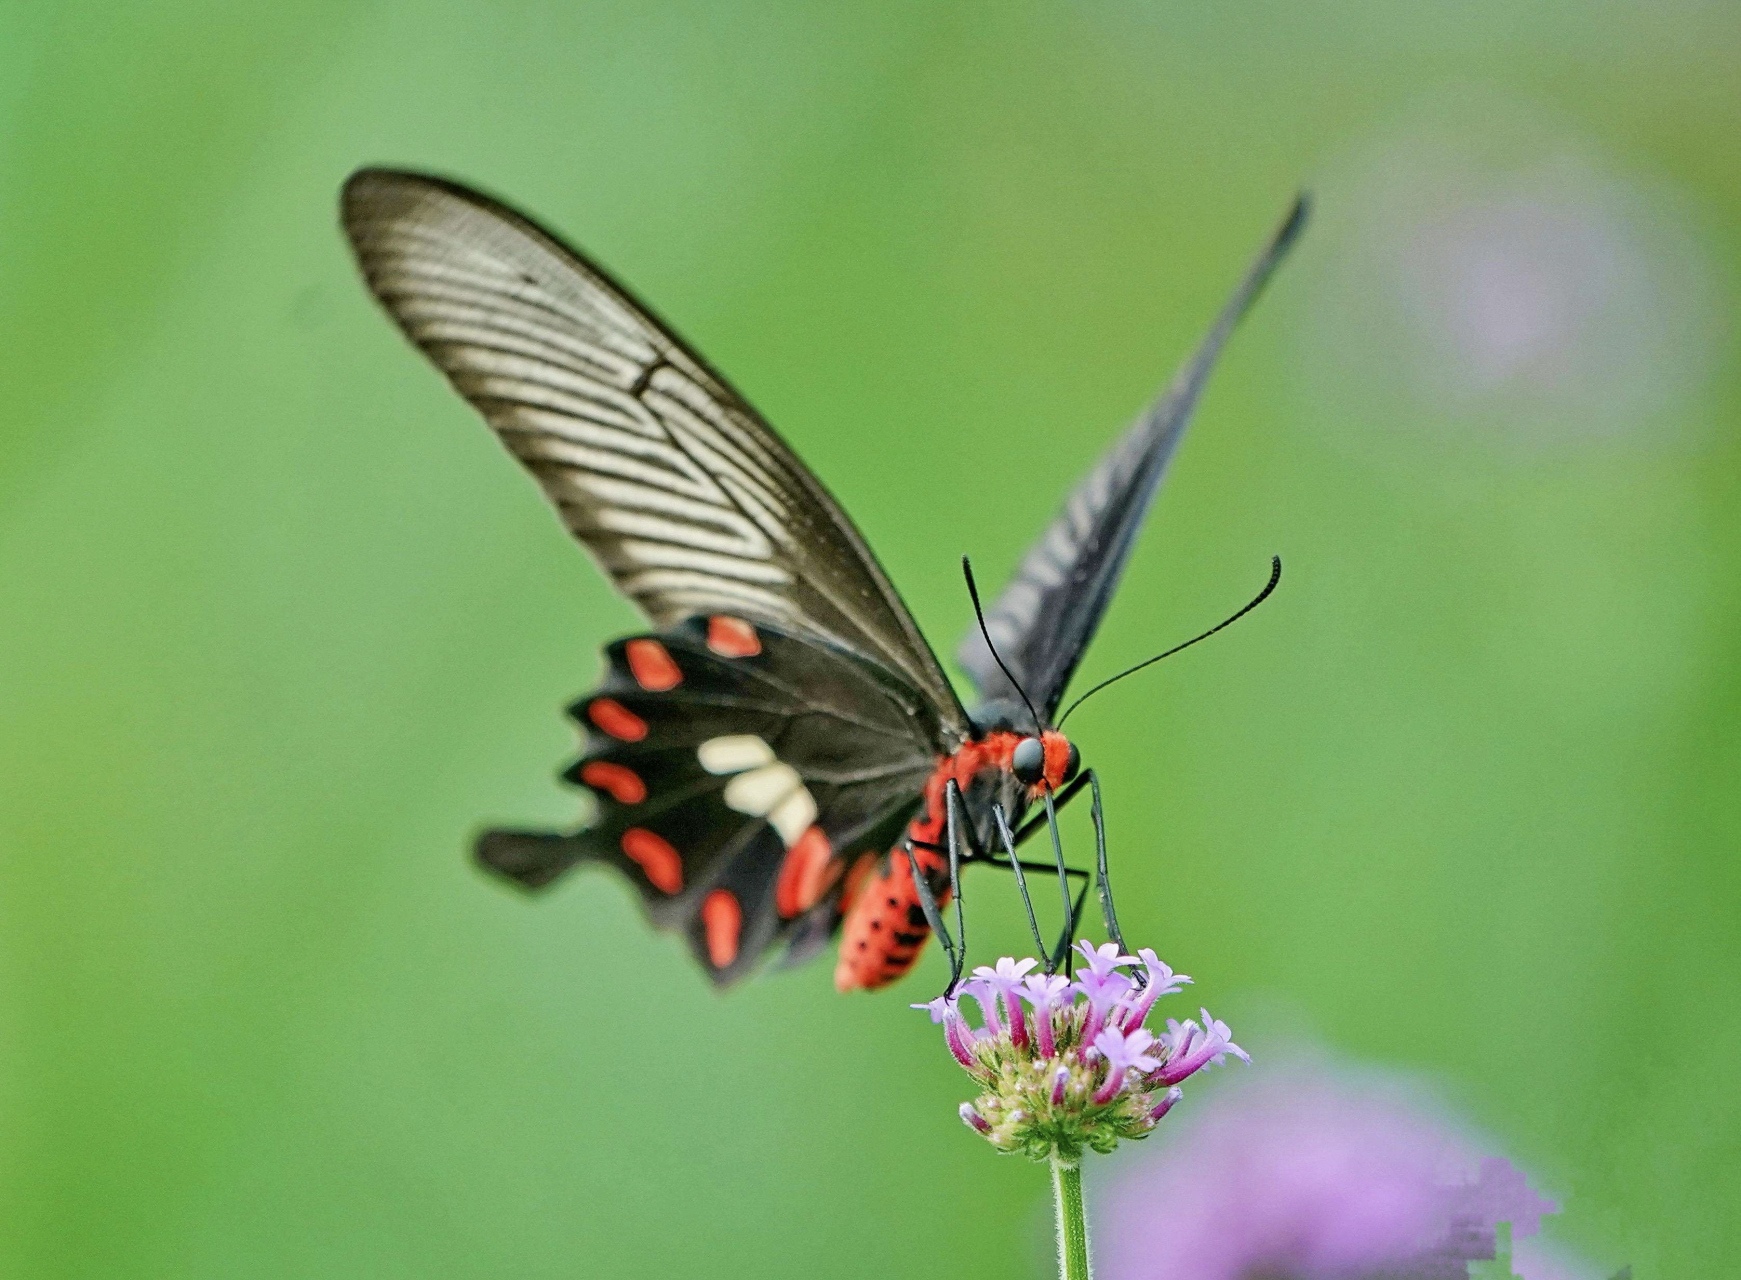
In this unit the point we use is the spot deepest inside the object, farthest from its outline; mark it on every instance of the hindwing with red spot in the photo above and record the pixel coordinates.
(738, 773)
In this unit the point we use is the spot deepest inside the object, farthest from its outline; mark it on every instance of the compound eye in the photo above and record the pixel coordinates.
(1028, 762)
(1072, 763)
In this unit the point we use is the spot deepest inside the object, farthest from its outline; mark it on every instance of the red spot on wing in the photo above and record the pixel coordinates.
(806, 874)
(623, 784)
(652, 665)
(656, 858)
(721, 918)
(614, 718)
(732, 637)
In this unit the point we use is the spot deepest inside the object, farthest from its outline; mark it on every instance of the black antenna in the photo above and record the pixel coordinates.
(973, 591)
(1275, 576)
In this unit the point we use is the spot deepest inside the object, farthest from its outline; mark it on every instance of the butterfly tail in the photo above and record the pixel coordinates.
(532, 859)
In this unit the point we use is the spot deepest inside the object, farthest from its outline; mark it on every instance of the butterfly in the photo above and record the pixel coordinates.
(781, 758)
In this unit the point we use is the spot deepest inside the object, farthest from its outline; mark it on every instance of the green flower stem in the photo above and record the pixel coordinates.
(1072, 1224)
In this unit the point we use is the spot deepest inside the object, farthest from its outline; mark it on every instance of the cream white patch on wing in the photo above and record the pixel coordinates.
(734, 753)
(793, 815)
(760, 790)
(761, 786)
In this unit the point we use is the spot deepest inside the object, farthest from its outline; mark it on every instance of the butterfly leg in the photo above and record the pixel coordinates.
(1016, 866)
(955, 834)
(1106, 911)
(1063, 955)
(1074, 913)
(1019, 868)
(934, 917)
(1089, 779)
(1033, 826)
(1071, 912)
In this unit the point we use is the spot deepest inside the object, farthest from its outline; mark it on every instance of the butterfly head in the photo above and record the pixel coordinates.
(1047, 761)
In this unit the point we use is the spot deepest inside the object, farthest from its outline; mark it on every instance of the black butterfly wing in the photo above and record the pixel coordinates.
(740, 772)
(682, 493)
(1049, 611)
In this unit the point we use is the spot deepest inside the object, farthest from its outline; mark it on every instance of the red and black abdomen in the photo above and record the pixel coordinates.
(885, 927)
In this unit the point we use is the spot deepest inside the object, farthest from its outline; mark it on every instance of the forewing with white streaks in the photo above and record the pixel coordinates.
(678, 488)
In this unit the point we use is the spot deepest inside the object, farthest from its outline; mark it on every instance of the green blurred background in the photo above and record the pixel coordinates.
(282, 625)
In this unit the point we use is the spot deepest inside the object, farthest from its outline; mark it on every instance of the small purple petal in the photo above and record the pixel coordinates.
(1044, 1036)
(1127, 1050)
(1123, 1054)
(1104, 991)
(973, 1120)
(1176, 1040)
(1220, 1031)
(1160, 975)
(1060, 1081)
(1191, 1048)
(1168, 1101)
(939, 1009)
(960, 1039)
(1042, 991)
(1161, 981)
(956, 1033)
(1013, 971)
(1103, 959)
(1008, 972)
(1003, 981)
(986, 998)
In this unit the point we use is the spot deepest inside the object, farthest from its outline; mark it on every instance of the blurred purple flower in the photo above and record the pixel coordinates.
(1301, 1176)
(1489, 271)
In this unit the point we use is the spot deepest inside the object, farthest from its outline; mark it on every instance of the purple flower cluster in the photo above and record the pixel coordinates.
(1068, 1065)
